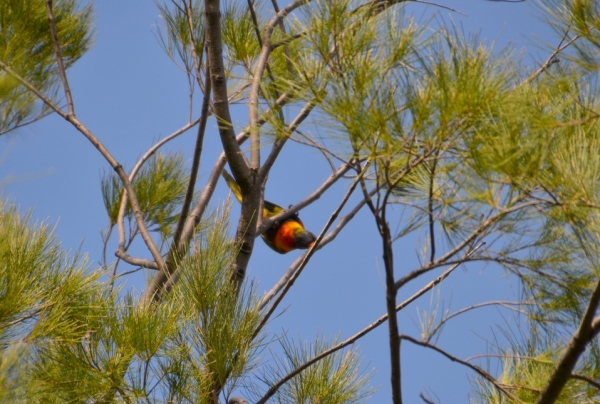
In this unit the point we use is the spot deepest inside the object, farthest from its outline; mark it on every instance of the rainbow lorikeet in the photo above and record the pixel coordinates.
(283, 236)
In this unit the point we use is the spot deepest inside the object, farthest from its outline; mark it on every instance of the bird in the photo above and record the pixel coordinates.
(283, 236)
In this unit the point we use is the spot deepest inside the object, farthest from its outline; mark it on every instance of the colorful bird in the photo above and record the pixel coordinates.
(284, 236)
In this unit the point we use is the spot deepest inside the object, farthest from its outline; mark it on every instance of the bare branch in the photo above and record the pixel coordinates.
(505, 304)
(121, 250)
(258, 74)
(465, 242)
(34, 90)
(586, 379)
(499, 386)
(426, 400)
(140, 262)
(430, 209)
(214, 43)
(204, 113)
(59, 59)
(328, 238)
(198, 211)
(270, 160)
(108, 157)
(439, 279)
(446, 7)
(196, 214)
(551, 59)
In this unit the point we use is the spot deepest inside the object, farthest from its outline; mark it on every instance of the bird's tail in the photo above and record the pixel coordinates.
(235, 188)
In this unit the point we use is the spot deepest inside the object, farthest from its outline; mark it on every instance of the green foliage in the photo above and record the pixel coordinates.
(160, 187)
(67, 338)
(221, 333)
(26, 47)
(43, 294)
(176, 40)
(239, 35)
(527, 366)
(581, 18)
(39, 282)
(334, 380)
(351, 61)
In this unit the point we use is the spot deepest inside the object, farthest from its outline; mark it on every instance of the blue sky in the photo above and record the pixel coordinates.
(130, 94)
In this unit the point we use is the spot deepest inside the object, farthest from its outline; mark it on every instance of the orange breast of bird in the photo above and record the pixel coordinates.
(284, 237)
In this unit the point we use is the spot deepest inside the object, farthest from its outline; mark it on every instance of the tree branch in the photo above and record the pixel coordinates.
(218, 75)
(107, 156)
(245, 174)
(474, 234)
(121, 251)
(551, 59)
(586, 379)
(270, 160)
(588, 329)
(506, 304)
(59, 59)
(204, 113)
(196, 214)
(139, 262)
(475, 368)
(258, 74)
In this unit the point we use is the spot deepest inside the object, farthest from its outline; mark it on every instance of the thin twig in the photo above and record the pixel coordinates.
(128, 272)
(430, 210)
(586, 379)
(551, 59)
(158, 145)
(426, 400)
(466, 241)
(278, 146)
(59, 59)
(439, 279)
(197, 59)
(500, 387)
(204, 113)
(444, 7)
(121, 250)
(505, 304)
(312, 143)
